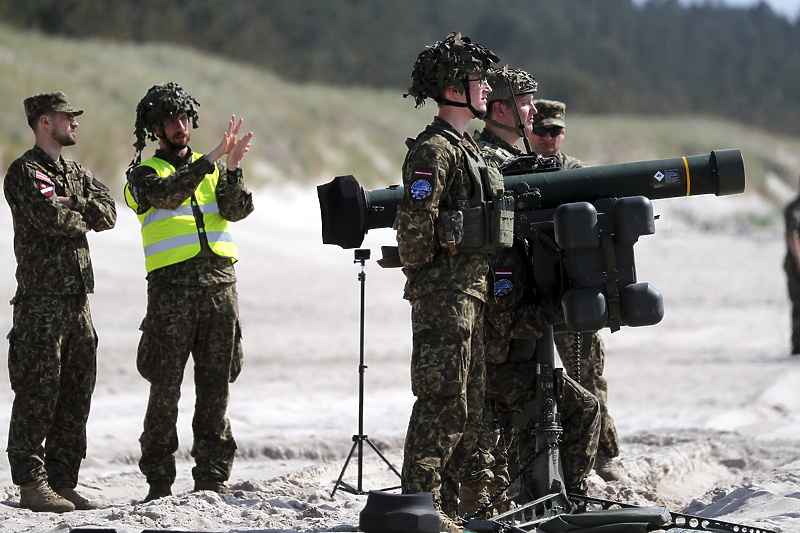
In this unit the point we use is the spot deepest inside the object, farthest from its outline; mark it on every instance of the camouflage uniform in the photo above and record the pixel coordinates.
(512, 324)
(447, 293)
(792, 226)
(191, 308)
(567, 161)
(52, 343)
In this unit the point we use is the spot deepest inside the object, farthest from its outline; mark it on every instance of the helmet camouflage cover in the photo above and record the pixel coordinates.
(161, 102)
(447, 63)
(501, 78)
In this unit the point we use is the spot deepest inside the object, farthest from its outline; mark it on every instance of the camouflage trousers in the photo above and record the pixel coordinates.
(447, 378)
(501, 448)
(793, 286)
(592, 364)
(52, 367)
(180, 320)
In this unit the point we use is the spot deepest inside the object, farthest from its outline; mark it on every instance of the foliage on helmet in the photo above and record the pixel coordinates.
(447, 63)
(521, 82)
(161, 102)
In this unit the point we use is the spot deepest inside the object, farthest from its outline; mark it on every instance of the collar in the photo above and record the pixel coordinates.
(173, 158)
(489, 137)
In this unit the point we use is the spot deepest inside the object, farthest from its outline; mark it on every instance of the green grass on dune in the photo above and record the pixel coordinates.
(307, 134)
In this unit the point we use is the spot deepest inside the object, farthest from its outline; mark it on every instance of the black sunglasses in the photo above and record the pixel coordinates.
(543, 131)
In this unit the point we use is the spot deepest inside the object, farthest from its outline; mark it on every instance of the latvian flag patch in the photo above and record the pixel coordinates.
(45, 184)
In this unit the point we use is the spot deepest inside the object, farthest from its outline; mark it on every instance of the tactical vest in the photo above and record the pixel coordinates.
(173, 236)
(485, 222)
(498, 153)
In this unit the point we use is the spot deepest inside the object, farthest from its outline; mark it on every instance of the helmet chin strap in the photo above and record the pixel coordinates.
(501, 126)
(468, 104)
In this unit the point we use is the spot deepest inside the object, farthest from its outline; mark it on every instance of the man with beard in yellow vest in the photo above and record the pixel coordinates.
(184, 201)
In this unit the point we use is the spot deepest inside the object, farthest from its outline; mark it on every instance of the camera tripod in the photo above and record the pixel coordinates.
(361, 255)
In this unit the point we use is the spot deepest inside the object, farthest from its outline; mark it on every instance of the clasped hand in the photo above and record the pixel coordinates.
(231, 145)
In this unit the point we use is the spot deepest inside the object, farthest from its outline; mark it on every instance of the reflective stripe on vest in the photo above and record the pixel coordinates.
(173, 236)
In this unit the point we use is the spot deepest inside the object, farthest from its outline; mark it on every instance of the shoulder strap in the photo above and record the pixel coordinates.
(450, 135)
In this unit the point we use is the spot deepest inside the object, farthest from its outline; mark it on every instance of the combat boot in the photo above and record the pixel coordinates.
(40, 498)
(214, 486)
(471, 497)
(80, 503)
(447, 524)
(158, 490)
(606, 468)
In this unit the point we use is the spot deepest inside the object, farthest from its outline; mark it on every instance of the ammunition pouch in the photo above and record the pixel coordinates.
(450, 229)
(485, 222)
(496, 351)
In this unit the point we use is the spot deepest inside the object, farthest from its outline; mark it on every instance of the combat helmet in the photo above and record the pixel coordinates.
(161, 102)
(504, 79)
(448, 63)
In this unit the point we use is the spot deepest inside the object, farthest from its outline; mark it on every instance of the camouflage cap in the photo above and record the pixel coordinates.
(521, 81)
(549, 113)
(447, 63)
(40, 104)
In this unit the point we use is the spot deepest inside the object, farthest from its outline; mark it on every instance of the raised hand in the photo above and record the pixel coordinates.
(229, 139)
(236, 153)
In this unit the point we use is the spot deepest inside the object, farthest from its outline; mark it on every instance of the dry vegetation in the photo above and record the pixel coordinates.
(307, 134)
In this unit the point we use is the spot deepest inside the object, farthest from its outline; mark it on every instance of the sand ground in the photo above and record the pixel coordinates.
(706, 402)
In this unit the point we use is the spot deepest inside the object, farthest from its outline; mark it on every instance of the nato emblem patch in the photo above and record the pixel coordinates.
(421, 189)
(503, 287)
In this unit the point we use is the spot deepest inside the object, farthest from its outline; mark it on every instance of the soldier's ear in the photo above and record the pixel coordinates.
(454, 90)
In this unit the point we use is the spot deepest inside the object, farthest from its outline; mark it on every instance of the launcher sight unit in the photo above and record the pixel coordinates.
(581, 223)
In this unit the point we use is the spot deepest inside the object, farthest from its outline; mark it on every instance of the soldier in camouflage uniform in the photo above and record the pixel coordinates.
(52, 345)
(791, 265)
(447, 269)
(184, 201)
(546, 135)
(513, 322)
(511, 317)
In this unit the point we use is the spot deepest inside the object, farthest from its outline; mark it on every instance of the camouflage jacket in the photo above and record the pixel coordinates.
(234, 200)
(49, 238)
(435, 177)
(509, 313)
(494, 149)
(570, 162)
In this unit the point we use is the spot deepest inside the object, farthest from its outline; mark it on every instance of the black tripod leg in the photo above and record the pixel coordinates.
(339, 481)
(358, 440)
(385, 460)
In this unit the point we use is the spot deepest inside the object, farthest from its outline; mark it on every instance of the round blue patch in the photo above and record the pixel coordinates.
(421, 189)
(503, 287)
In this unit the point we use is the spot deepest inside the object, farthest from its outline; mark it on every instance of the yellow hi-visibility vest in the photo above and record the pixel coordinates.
(173, 236)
